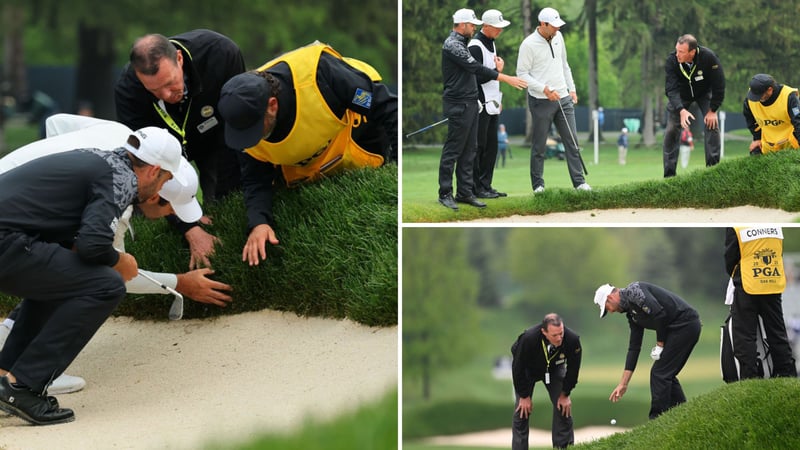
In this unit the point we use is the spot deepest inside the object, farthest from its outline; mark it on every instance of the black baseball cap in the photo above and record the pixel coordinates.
(759, 85)
(242, 104)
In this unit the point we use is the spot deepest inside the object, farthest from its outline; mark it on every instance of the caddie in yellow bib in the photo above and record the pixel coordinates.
(761, 263)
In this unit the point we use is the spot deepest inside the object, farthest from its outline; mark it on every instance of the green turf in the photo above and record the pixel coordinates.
(769, 181)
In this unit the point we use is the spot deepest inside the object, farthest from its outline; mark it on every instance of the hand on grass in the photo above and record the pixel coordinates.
(255, 249)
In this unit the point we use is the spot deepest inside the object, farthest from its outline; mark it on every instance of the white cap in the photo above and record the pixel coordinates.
(551, 16)
(183, 196)
(466, 16)
(495, 19)
(157, 147)
(600, 296)
(624, 130)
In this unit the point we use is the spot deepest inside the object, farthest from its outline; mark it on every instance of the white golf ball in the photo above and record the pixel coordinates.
(613, 421)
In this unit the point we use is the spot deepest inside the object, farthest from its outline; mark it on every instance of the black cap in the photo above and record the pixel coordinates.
(242, 104)
(759, 85)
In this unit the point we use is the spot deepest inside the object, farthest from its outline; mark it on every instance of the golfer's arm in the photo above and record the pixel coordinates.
(626, 377)
(141, 285)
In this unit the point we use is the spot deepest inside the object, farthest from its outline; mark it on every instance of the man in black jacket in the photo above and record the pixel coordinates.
(175, 83)
(551, 353)
(58, 216)
(461, 106)
(677, 327)
(693, 75)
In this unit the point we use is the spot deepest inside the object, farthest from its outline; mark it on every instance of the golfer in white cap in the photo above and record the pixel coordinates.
(59, 216)
(483, 49)
(677, 327)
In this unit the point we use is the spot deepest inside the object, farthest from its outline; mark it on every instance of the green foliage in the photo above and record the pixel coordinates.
(439, 287)
(751, 414)
(337, 255)
(373, 426)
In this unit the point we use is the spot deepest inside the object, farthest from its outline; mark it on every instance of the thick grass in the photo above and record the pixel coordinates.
(337, 255)
(770, 181)
(752, 414)
(372, 427)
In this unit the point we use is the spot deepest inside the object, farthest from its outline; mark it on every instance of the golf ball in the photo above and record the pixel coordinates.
(613, 421)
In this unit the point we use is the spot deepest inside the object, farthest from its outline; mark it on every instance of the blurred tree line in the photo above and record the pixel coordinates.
(450, 275)
(615, 47)
(96, 35)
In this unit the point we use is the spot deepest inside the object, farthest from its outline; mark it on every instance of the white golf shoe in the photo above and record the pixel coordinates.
(66, 384)
(538, 189)
(584, 187)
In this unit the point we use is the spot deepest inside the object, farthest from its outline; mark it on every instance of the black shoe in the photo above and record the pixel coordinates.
(448, 201)
(486, 194)
(499, 194)
(471, 200)
(26, 404)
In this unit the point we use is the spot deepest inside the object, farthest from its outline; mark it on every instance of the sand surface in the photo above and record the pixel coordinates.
(537, 438)
(190, 383)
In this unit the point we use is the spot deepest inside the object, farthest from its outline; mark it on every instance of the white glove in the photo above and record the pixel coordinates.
(656, 353)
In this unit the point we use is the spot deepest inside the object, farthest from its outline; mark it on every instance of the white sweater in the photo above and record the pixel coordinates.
(542, 63)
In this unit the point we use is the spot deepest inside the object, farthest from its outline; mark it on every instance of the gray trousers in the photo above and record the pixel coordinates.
(562, 429)
(544, 112)
(65, 303)
(672, 137)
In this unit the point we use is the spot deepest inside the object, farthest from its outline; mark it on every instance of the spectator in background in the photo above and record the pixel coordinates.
(686, 147)
(42, 107)
(502, 144)
(622, 146)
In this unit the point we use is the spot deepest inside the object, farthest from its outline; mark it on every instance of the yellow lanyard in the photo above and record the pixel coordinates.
(691, 72)
(162, 111)
(546, 358)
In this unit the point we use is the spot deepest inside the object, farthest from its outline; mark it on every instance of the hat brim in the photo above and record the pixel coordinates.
(475, 22)
(753, 97)
(246, 138)
(188, 212)
(558, 23)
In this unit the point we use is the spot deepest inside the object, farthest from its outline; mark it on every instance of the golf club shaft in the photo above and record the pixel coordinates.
(426, 128)
(176, 310)
(572, 135)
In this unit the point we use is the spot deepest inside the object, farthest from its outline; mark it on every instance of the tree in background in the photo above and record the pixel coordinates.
(439, 303)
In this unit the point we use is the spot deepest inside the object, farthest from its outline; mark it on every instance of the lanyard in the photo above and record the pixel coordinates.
(161, 108)
(548, 359)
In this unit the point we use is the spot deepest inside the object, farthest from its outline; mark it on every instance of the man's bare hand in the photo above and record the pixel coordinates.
(127, 266)
(685, 116)
(255, 249)
(711, 120)
(201, 246)
(524, 408)
(197, 286)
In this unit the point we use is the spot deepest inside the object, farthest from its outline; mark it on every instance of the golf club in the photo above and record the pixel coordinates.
(574, 141)
(426, 128)
(176, 310)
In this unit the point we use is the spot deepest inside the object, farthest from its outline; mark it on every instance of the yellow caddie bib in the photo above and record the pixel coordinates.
(761, 263)
(777, 132)
(319, 143)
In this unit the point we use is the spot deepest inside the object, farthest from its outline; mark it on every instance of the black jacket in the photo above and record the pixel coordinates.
(655, 308)
(213, 60)
(72, 198)
(687, 85)
(530, 364)
(459, 70)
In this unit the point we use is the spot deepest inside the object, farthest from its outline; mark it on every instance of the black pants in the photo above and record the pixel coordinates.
(745, 311)
(458, 152)
(672, 137)
(665, 389)
(218, 173)
(562, 427)
(65, 301)
(486, 157)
